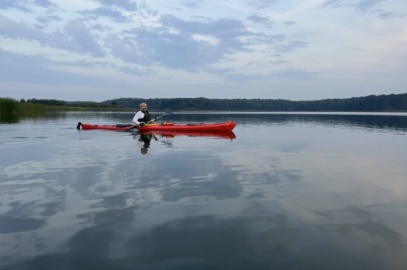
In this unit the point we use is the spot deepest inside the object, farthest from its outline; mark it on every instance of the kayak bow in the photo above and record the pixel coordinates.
(104, 127)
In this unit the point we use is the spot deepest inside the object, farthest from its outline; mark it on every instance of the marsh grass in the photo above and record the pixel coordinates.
(31, 109)
(9, 110)
(12, 110)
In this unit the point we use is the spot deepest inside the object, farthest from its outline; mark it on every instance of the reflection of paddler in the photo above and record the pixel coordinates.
(146, 140)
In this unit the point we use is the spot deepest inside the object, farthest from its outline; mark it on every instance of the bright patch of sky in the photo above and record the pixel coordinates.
(274, 49)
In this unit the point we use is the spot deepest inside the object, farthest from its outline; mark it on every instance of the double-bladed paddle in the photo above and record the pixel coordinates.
(151, 121)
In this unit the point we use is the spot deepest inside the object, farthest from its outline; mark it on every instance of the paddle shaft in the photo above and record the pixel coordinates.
(155, 119)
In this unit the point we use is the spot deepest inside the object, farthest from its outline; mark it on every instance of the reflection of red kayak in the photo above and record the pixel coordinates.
(166, 126)
(224, 134)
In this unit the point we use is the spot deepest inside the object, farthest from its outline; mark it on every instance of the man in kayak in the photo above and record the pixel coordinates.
(142, 116)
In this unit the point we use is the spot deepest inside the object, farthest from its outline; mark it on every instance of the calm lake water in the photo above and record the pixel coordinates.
(287, 191)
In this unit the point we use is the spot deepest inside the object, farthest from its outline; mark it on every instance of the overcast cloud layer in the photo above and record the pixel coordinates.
(276, 49)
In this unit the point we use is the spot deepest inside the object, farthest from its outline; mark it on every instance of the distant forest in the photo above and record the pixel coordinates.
(372, 103)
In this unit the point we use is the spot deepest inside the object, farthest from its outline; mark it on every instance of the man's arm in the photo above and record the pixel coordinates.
(138, 115)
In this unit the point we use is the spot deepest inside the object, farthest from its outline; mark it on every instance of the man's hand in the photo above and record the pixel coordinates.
(141, 124)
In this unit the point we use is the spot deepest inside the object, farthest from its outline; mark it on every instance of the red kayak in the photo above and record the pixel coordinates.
(166, 126)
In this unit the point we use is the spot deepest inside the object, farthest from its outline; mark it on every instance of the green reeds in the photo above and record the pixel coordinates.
(11, 110)
(31, 109)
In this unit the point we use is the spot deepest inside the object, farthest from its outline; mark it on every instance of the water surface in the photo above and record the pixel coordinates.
(290, 191)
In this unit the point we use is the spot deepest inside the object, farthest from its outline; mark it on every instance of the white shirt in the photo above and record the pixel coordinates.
(138, 116)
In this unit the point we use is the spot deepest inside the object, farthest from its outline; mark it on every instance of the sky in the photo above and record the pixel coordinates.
(97, 50)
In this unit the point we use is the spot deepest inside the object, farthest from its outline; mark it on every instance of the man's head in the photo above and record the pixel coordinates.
(143, 107)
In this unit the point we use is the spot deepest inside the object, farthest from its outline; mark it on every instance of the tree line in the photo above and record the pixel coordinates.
(56, 102)
(372, 103)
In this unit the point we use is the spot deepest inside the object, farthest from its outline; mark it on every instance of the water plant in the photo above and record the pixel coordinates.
(11, 110)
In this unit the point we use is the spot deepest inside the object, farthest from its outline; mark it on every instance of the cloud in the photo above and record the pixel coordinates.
(192, 45)
(8, 4)
(81, 40)
(259, 19)
(75, 38)
(128, 5)
(44, 21)
(131, 48)
(241, 78)
(176, 50)
(367, 5)
(107, 12)
(192, 3)
(18, 67)
(195, 45)
(180, 44)
(295, 73)
(262, 4)
(44, 3)
(294, 45)
(364, 6)
(221, 28)
(386, 14)
(12, 29)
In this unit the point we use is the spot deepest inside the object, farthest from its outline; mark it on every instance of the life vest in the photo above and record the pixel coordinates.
(146, 117)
